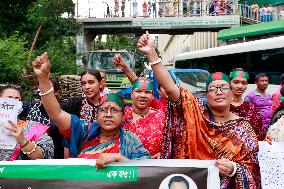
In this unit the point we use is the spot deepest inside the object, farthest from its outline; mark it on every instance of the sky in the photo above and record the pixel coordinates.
(97, 8)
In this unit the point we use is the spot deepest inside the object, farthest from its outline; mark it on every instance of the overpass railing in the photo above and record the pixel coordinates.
(262, 14)
(158, 8)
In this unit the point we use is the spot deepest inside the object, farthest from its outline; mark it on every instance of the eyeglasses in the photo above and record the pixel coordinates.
(214, 89)
(112, 110)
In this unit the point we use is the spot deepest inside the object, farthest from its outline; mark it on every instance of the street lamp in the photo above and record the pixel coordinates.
(107, 13)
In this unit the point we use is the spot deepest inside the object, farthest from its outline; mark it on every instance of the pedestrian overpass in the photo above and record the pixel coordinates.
(91, 27)
(158, 17)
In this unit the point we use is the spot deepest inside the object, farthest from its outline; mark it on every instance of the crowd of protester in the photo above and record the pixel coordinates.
(223, 125)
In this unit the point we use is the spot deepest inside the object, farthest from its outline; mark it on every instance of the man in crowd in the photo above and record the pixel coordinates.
(261, 100)
(104, 89)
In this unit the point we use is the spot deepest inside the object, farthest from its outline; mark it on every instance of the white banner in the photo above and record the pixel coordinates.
(8, 112)
(271, 162)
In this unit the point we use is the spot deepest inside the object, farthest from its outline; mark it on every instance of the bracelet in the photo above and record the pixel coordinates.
(131, 75)
(32, 151)
(26, 143)
(155, 62)
(235, 169)
(47, 92)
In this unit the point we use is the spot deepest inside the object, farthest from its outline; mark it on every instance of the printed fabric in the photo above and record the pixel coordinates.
(189, 134)
(83, 139)
(159, 104)
(82, 108)
(149, 129)
(276, 131)
(250, 113)
(264, 106)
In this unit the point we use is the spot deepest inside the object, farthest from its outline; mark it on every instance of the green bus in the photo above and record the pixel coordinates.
(103, 60)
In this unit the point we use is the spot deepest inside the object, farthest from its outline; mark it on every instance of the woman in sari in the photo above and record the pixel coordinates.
(143, 120)
(146, 122)
(196, 131)
(105, 140)
(31, 137)
(239, 82)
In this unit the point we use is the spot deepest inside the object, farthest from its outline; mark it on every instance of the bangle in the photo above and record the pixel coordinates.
(155, 62)
(235, 169)
(26, 143)
(131, 75)
(33, 150)
(47, 92)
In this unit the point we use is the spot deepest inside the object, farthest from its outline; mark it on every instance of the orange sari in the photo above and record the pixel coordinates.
(189, 134)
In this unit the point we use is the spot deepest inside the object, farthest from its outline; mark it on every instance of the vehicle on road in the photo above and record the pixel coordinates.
(264, 55)
(103, 60)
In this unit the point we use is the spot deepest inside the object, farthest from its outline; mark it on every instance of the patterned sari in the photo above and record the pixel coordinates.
(249, 112)
(149, 129)
(84, 142)
(189, 134)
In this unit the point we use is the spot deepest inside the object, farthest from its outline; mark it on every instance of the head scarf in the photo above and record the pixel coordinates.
(217, 76)
(111, 97)
(239, 72)
(146, 85)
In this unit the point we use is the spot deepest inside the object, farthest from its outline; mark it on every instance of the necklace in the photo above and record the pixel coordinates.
(221, 116)
(140, 114)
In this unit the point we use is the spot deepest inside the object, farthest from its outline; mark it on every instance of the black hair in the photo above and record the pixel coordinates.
(178, 179)
(258, 76)
(3, 87)
(95, 73)
(282, 91)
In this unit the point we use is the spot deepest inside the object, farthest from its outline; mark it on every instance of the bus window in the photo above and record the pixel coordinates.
(268, 61)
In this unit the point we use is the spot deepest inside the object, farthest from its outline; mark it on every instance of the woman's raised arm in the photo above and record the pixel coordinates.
(42, 70)
(146, 45)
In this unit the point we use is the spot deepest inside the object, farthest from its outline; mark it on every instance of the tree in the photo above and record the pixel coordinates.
(13, 17)
(129, 43)
(40, 14)
(20, 21)
(13, 58)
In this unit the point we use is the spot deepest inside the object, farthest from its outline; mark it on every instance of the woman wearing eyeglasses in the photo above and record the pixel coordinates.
(197, 131)
(239, 83)
(105, 140)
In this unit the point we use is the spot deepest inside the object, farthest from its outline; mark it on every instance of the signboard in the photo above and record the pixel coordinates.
(170, 23)
(271, 162)
(82, 173)
(8, 111)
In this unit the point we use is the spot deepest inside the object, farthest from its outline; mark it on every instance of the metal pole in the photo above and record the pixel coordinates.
(130, 7)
